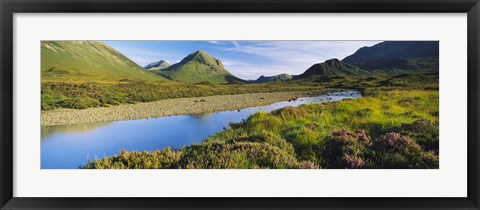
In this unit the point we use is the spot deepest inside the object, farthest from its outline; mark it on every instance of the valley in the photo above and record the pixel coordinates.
(393, 125)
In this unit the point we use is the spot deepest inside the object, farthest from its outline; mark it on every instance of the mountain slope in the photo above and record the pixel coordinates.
(412, 79)
(332, 68)
(157, 65)
(395, 50)
(276, 78)
(198, 67)
(400, 65)
(84, 61)
(395, 57)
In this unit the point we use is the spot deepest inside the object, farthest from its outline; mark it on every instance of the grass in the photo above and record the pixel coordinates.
(85, 95)
(81, 95)
(395, 128)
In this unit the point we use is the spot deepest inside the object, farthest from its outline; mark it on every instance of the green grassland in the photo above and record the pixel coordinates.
(94, 94)
(394, 128)
(86, 95)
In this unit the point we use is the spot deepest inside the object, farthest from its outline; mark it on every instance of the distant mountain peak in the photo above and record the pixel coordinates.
(199, 66)
(333, 61)
(161, 64)
(204, 58)
(200, 52)
(276, 78)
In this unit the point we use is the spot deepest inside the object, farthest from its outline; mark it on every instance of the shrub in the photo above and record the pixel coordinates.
(166, 158)
(425, 132)
(364, 112)
(345, 149)
(129, 91)
(268, 138)
(395, 142)
(394, 150)
(79, 103)
(204, 83)
(245, 155)
(291, 112)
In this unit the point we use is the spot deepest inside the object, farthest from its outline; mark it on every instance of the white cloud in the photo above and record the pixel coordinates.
(217, 42)
(141, 56)
(138, 51)
(292, 57)
(235, 43)
(245, 70)
(140, 60)
(300, 50)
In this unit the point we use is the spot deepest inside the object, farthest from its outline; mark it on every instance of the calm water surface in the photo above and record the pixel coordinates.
(68, 147)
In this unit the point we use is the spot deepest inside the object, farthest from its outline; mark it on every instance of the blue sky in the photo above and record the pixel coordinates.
(245, 59)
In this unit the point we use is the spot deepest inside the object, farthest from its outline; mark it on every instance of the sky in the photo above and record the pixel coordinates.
(244, 59)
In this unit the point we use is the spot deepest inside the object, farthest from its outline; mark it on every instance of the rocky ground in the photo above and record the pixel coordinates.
(168, 107)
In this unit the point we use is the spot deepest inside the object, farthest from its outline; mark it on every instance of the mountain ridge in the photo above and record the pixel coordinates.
(96, 61)
(161, 64)
(332, 67)
(274, 78)
(394, 50)
(198, 66)
(397, 57)
(89, 61)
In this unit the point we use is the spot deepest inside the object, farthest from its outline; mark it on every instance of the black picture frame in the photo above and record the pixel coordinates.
(10, 7)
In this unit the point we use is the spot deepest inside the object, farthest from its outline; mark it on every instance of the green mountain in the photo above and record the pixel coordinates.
(276, 78)
(394, 49)
(85, 61)
(412, 79)
(400, 65)
(397, 56)
(157, 65)
(332, 68)
(198, 67)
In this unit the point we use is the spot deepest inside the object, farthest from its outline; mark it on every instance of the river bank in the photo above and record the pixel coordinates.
(179, 106)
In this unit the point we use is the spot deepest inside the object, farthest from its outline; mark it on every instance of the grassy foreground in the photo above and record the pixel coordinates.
(394, 128)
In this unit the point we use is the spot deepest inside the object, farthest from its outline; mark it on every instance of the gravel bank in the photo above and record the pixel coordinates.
(167, 107)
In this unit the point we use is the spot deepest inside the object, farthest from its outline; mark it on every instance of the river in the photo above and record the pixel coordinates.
(68, 147)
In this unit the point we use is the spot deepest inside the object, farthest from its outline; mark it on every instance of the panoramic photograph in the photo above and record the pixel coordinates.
(235, 104)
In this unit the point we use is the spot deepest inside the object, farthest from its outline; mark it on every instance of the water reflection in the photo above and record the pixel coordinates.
(50, 130)
(67, 147)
